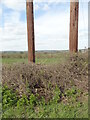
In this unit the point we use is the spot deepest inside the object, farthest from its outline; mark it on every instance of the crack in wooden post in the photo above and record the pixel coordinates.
(30, 31)
(73, 37)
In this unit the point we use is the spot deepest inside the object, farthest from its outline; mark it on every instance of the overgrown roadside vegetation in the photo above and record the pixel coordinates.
(32, 107)
(55, 90)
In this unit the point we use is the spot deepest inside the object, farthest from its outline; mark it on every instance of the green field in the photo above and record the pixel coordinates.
(41, 57)
(60, 77)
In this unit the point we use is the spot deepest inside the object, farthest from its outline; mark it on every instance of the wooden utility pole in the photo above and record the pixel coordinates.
(30, 31)
(73, 38)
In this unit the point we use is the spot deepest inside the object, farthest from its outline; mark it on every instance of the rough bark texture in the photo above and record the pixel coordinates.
(73, 40)
(30, 31)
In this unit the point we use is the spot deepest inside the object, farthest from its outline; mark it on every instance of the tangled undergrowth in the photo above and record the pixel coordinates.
(46, 90)
(42, 79)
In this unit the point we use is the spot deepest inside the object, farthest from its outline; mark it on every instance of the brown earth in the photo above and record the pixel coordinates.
(42, 79)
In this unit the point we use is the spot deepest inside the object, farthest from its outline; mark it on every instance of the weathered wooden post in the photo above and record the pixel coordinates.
(74, 13)
(30, 31)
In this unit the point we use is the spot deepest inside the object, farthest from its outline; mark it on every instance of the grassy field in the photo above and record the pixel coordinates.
(41, 57)
(54, 87)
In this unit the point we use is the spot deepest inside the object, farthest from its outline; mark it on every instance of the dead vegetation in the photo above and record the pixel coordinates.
(42, 79)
